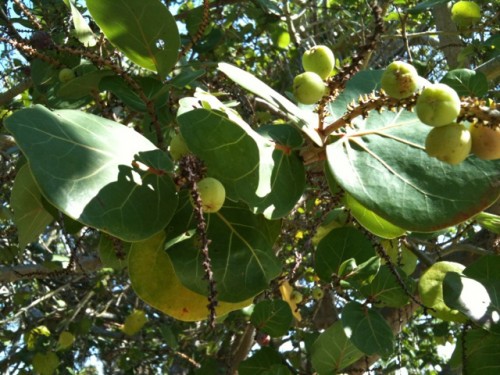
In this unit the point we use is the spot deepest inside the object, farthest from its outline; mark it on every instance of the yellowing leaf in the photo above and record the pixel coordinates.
(286, 291)
(155, 282)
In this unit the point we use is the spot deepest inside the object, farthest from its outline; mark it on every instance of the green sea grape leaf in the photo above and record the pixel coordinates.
(333, 351)
(30, 216)
(241, 252)
(385, 159)
(272, 317)
(250, 167)
(386, 289)
(482, 352)
(306, 120)
(150, 86)
(371, 221)
(367, 329)
(83, 85)
(260, 362)
(466, 82)
(83, 32)
(471, 298)
(96, 171)
(144, 30)
(339, 245)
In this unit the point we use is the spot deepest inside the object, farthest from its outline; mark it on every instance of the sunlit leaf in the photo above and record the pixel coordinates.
(467, 82)
(144, 30)
(251, 169)
(90, 168)
(306, 121)
(82, 30)
(471, 298)
(386, 169)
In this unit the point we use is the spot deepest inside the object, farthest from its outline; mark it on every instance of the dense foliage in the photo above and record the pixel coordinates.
(178, 196)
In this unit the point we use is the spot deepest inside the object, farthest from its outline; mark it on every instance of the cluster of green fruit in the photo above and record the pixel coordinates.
(438, 105)
(309, 87)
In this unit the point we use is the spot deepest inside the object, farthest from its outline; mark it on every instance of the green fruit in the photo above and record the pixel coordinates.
(317, 293)
(438, 105)
(450, 144)
(134, 322)
(308, 88)
(400, 80)
(296, 296)
(178, 147)
(465, 13)
(319, 60)
(485, 142)
(66, 75)
(430, 288)
(212, 194)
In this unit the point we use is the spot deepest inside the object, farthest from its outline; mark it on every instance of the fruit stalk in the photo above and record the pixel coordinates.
(191, 167)
(366, 104)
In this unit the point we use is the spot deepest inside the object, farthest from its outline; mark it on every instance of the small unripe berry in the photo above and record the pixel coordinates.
(317, 293)
(178, 147)
(212, 194)
(66, 75)
(400, 80)
(296, 296)
(450, 144)
(438, 105)
(319, 60)
(308, 88)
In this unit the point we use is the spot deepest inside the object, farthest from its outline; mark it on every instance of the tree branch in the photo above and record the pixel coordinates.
(449, 41)
(32, 271)
(10, 94)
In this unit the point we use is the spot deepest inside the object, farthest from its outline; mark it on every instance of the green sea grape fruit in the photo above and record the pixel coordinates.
(465, 13)
(319, 60)
(178, 147)
(450, 144)
(212, 194)
(66, 75)
(308, 88)
(438, 105)
(485, 142)
(400, 80)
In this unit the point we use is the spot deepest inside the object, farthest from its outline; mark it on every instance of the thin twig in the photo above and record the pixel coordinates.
(40, 300)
